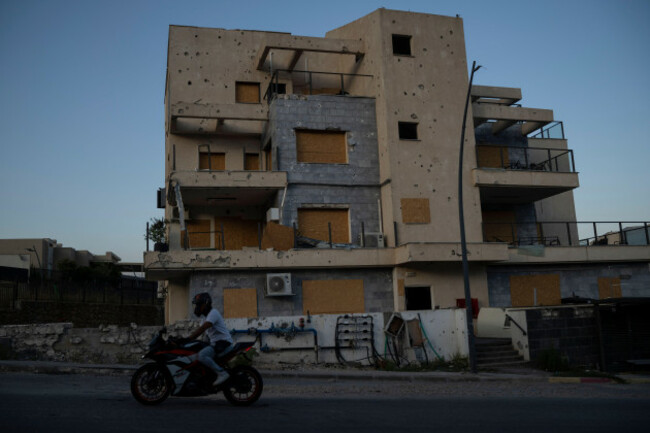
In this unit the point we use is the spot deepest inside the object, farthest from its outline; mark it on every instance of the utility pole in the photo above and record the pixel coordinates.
(463, 242)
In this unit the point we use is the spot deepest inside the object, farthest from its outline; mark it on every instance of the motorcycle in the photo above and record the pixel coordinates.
(176, 371)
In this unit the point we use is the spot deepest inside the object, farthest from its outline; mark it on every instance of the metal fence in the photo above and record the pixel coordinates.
(525, 158)
(124, 293)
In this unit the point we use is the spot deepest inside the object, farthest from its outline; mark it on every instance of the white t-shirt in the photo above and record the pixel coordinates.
(218, 330)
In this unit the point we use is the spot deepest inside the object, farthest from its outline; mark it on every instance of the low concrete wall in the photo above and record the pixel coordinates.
(445, 330)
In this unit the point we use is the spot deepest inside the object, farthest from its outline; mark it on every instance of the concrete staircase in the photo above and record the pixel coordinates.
(496, 352)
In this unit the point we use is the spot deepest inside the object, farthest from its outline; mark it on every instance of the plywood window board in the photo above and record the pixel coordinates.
(492, 156)
(252, 161)
(313, 223)
(247, 92)
(237, 233)
(499, 226)
(199, 233)
(321, 147)
(333, 296)
(534, 290)
(239, 303)
(212, 161)
(415, 210)
(609, 287)
(277, 237)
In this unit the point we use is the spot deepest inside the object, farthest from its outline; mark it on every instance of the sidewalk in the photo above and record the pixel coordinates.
(334, 373)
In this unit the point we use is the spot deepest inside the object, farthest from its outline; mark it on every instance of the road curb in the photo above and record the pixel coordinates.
(53, 367)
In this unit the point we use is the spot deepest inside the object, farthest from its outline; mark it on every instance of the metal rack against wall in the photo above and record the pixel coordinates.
(355, 333)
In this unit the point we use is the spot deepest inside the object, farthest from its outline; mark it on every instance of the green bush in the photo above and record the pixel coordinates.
(552, 360)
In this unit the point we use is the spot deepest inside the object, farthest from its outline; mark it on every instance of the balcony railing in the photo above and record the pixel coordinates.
(228, 239)
(317, 83)
(569, 233)
(552, 130)
(525, 158)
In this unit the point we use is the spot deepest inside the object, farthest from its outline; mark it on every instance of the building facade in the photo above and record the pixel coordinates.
(309, 175)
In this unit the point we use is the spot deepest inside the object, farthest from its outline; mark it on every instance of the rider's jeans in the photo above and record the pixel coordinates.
(206, 357)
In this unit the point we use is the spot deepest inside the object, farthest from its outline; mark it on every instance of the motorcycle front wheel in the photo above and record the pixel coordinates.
(150, 384)
(244, 387)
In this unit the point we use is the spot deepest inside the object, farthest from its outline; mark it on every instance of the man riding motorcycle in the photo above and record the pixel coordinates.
(220, 340)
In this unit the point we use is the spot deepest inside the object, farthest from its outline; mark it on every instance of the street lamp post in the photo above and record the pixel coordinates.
(463, 242)
(40, 269)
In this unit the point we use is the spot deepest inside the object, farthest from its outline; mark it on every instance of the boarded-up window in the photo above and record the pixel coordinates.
(499, 226)
(237, 233)
(199, 233)
(493, 156)
(313, 223)
(332, 296)
(415, 211)
(323, 147)
(609, 287)
(212, 161)
(252, 161)
(532, 290)
(239, 303)
(278, 237)
(247, 92)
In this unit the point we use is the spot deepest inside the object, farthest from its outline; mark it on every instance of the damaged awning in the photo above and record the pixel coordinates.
(284, 53)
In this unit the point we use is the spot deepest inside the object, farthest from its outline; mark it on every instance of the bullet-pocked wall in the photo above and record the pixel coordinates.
(352, 182)
(420, 76)
(373, 287)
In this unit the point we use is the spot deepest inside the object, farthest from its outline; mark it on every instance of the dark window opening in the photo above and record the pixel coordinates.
(402, 45)
(418, 298)
(408, 130)
(279, 88)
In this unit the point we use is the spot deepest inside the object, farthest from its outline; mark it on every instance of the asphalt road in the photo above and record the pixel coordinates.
(85, 403)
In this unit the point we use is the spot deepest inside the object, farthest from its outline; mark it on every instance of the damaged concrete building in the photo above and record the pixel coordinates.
(308, 175)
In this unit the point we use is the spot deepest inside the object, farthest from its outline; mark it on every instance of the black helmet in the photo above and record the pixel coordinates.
(199, 301)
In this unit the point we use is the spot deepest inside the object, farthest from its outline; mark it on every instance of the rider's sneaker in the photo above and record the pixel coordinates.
(223, 376)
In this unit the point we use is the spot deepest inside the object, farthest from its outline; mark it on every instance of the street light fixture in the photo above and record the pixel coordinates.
(463, 242)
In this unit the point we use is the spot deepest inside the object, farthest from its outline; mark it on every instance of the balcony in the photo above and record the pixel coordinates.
(515, 174)
(497, 105)
(236, 188)
(285, 81)
(571, 241)
(195, 118)
(568, 233)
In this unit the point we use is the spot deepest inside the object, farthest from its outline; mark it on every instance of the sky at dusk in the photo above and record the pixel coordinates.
(82, 85)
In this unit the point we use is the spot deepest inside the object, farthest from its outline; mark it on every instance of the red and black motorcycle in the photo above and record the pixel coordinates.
(176, 370)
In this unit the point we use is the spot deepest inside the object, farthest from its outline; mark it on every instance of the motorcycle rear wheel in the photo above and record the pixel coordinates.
(151, 384)
(244, 387)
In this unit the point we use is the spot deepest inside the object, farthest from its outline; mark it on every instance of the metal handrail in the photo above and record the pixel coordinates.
(527, 165)
(562, 235)
(509, 318)
(545, 130)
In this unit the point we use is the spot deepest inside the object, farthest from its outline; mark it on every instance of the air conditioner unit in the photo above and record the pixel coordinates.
(273, 214)
(373, 240)
(278, 285)
(161, 198)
